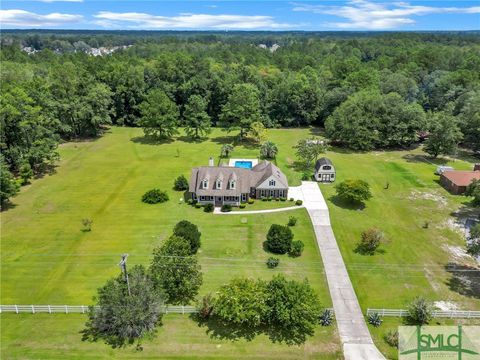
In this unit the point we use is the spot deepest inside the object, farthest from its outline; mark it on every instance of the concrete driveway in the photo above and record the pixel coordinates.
(354, 334)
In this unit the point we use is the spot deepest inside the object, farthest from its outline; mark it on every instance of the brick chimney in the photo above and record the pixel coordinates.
(476, 167)
(210, 161)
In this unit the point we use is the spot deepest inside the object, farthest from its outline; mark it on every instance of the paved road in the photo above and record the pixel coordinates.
(354, 334)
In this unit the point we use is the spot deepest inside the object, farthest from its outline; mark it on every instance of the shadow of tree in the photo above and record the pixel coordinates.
(416, 158)
(226, 139)
(7, 205)
(362, 250)
(299, 166)
(151, 140)
(465, 280)
(219, 330)
(191, 140)
(344, 204)
(317, 131)
(278, 334)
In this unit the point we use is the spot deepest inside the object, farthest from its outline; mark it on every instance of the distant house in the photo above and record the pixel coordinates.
(324, 170)
(456, 181)
(233, 185)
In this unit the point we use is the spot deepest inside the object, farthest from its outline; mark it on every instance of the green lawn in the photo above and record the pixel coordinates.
(46, 258)
(179, 337)
(414, 258)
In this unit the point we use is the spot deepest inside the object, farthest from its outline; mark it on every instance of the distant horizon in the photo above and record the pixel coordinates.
(243, 31)
(223, 15)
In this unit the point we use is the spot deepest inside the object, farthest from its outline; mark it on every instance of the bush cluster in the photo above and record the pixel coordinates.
(280, 241)
(226, 208)
(154, 196)
(208, 207)
(272, 262)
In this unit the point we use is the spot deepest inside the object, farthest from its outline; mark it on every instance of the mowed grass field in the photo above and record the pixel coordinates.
(46, 258)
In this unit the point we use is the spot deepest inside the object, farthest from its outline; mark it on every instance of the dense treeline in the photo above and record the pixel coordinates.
(368, 91)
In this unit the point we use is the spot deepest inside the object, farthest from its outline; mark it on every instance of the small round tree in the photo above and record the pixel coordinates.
(135, 311)
(272, 262)
(419, 311)
(189, 232)
(181, 183)
(353, 191)
(371, 240)
(226, 150)
(279, 239)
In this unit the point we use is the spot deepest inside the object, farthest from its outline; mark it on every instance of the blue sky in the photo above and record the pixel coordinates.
(241, 15)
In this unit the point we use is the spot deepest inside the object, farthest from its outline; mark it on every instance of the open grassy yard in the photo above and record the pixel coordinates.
(46, 258)
(414, 259)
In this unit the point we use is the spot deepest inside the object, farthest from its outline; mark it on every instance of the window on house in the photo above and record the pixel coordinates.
(219, 184)
(327, 167)
(232, 184)
(205, 184)
(271, 183)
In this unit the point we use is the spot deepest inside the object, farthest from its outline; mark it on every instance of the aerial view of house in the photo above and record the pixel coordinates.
(234, 185)
(240, 180)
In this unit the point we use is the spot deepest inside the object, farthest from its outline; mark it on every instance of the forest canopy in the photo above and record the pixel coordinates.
(370, 90)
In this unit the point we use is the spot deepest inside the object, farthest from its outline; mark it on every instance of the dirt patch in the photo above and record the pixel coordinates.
(441, 200)
(454, 225)
(456, 252)
(445, 305)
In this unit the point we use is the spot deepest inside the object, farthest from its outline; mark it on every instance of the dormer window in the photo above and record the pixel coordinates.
(219, 184)
(205, 184)
(271, 183)
(232, 184)
(327, 167)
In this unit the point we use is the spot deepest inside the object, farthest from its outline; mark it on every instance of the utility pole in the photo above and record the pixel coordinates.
(123, 266)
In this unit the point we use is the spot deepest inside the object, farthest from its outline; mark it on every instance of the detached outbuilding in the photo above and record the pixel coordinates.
(457, 181)
(324, 170)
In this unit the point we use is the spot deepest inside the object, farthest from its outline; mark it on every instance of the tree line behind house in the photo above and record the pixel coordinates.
(368, 92)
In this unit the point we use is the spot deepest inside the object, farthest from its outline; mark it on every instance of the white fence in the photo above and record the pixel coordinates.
(80, 309)
(436, 313)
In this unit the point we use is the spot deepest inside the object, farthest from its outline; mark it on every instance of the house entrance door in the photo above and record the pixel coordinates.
(218, 201)
(325, 177)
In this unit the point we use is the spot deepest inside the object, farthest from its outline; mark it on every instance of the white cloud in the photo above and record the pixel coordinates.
(22, 18)
(364, 14)
(188, 21)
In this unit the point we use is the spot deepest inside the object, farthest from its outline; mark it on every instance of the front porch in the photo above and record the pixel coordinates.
(221, 200)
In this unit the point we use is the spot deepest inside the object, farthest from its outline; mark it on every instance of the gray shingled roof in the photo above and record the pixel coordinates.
(245, 178)
(321, 162)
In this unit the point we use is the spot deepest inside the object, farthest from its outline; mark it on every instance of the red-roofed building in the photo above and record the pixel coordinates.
(456, 181)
